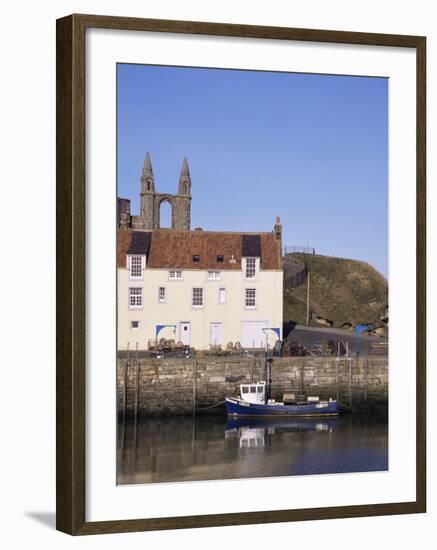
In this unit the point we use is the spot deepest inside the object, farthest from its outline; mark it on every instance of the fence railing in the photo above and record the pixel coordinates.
(298, 249)
(297, 279)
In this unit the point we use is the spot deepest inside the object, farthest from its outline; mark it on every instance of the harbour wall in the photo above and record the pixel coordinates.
(155, 387)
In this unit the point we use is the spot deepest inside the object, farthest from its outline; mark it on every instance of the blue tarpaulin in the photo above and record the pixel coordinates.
(160, 327)
(358, 330)
(276, 330)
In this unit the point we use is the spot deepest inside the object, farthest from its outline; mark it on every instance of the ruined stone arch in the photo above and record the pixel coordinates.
(151, 200)
(159, 200)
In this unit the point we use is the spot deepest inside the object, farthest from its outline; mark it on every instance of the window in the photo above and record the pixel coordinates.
(250, 297)
(161, 294)
(220, 258)
(252, 389)
(214, 275)
(136, 267)
(260, 389)
(244, 389)
(250, 268)
(196, 258)
(222, 296)
(197, 297)
(175, 275)
(134, 325)
(135, 297)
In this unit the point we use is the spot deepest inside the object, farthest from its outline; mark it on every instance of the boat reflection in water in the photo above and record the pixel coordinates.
(255, 432)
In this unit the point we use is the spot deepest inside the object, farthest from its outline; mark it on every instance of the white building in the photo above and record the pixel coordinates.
(201, 288)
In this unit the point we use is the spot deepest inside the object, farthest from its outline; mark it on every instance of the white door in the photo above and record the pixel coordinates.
(252, 334)
(216, 334)
(185, 330)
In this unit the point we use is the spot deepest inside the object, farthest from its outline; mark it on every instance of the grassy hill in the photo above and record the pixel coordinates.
(341, 291)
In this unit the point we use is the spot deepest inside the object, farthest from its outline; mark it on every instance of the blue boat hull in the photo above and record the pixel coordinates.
(238, 407)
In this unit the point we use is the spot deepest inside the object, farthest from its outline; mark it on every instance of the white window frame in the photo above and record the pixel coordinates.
(246, 290)
(134, 328)
(246, 268)
(197, 306)
(225, 295)
(164, 298)
(174, 278)
(214, 275)
(140, 294)
(143, 266)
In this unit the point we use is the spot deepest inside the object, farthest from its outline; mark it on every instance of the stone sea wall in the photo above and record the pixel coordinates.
(155, 387)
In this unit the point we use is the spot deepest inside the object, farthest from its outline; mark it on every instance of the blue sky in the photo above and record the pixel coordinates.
(312, 149)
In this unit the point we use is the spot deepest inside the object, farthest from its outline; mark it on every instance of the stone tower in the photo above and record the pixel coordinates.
(147, 194)
(151, 201)
(181, 217)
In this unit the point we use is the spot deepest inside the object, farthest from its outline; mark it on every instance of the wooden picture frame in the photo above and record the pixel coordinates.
(71, 253)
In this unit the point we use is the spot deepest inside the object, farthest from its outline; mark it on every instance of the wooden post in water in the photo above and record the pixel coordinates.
(350, 382)
(308, 298)
(125, 383)
(194, 388)
(337, 363)
(137, 400)
(302, 378)
(366, 366)
(137, 383)
(123, 438)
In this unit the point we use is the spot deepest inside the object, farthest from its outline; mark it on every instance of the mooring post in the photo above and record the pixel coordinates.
(194, 388)
(308, 299)
(350, 381)
(123, 438)
(137, 383)
(137, 403)
(366, 366)
(302, 384)
(125, 382)
(337, 363)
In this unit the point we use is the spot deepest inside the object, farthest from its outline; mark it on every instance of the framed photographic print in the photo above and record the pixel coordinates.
(240, 274)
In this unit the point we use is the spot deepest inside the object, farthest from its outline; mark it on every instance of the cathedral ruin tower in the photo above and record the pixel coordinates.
(147, 194)
(151, 201)
(182, 212)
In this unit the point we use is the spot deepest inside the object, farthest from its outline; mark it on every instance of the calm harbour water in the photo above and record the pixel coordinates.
(211, 447)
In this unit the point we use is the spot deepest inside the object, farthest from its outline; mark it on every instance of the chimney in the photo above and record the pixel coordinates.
(278, 229)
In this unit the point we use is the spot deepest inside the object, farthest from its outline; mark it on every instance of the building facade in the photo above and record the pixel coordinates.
(204, 289)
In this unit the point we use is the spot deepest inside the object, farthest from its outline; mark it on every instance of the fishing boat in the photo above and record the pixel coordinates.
(254, 401)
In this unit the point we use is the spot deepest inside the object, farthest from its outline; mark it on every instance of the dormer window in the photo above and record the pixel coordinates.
(250, 268)
(136, 265)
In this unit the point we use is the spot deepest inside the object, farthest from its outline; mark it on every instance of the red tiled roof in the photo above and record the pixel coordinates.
(123, 241)
(170, 248)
